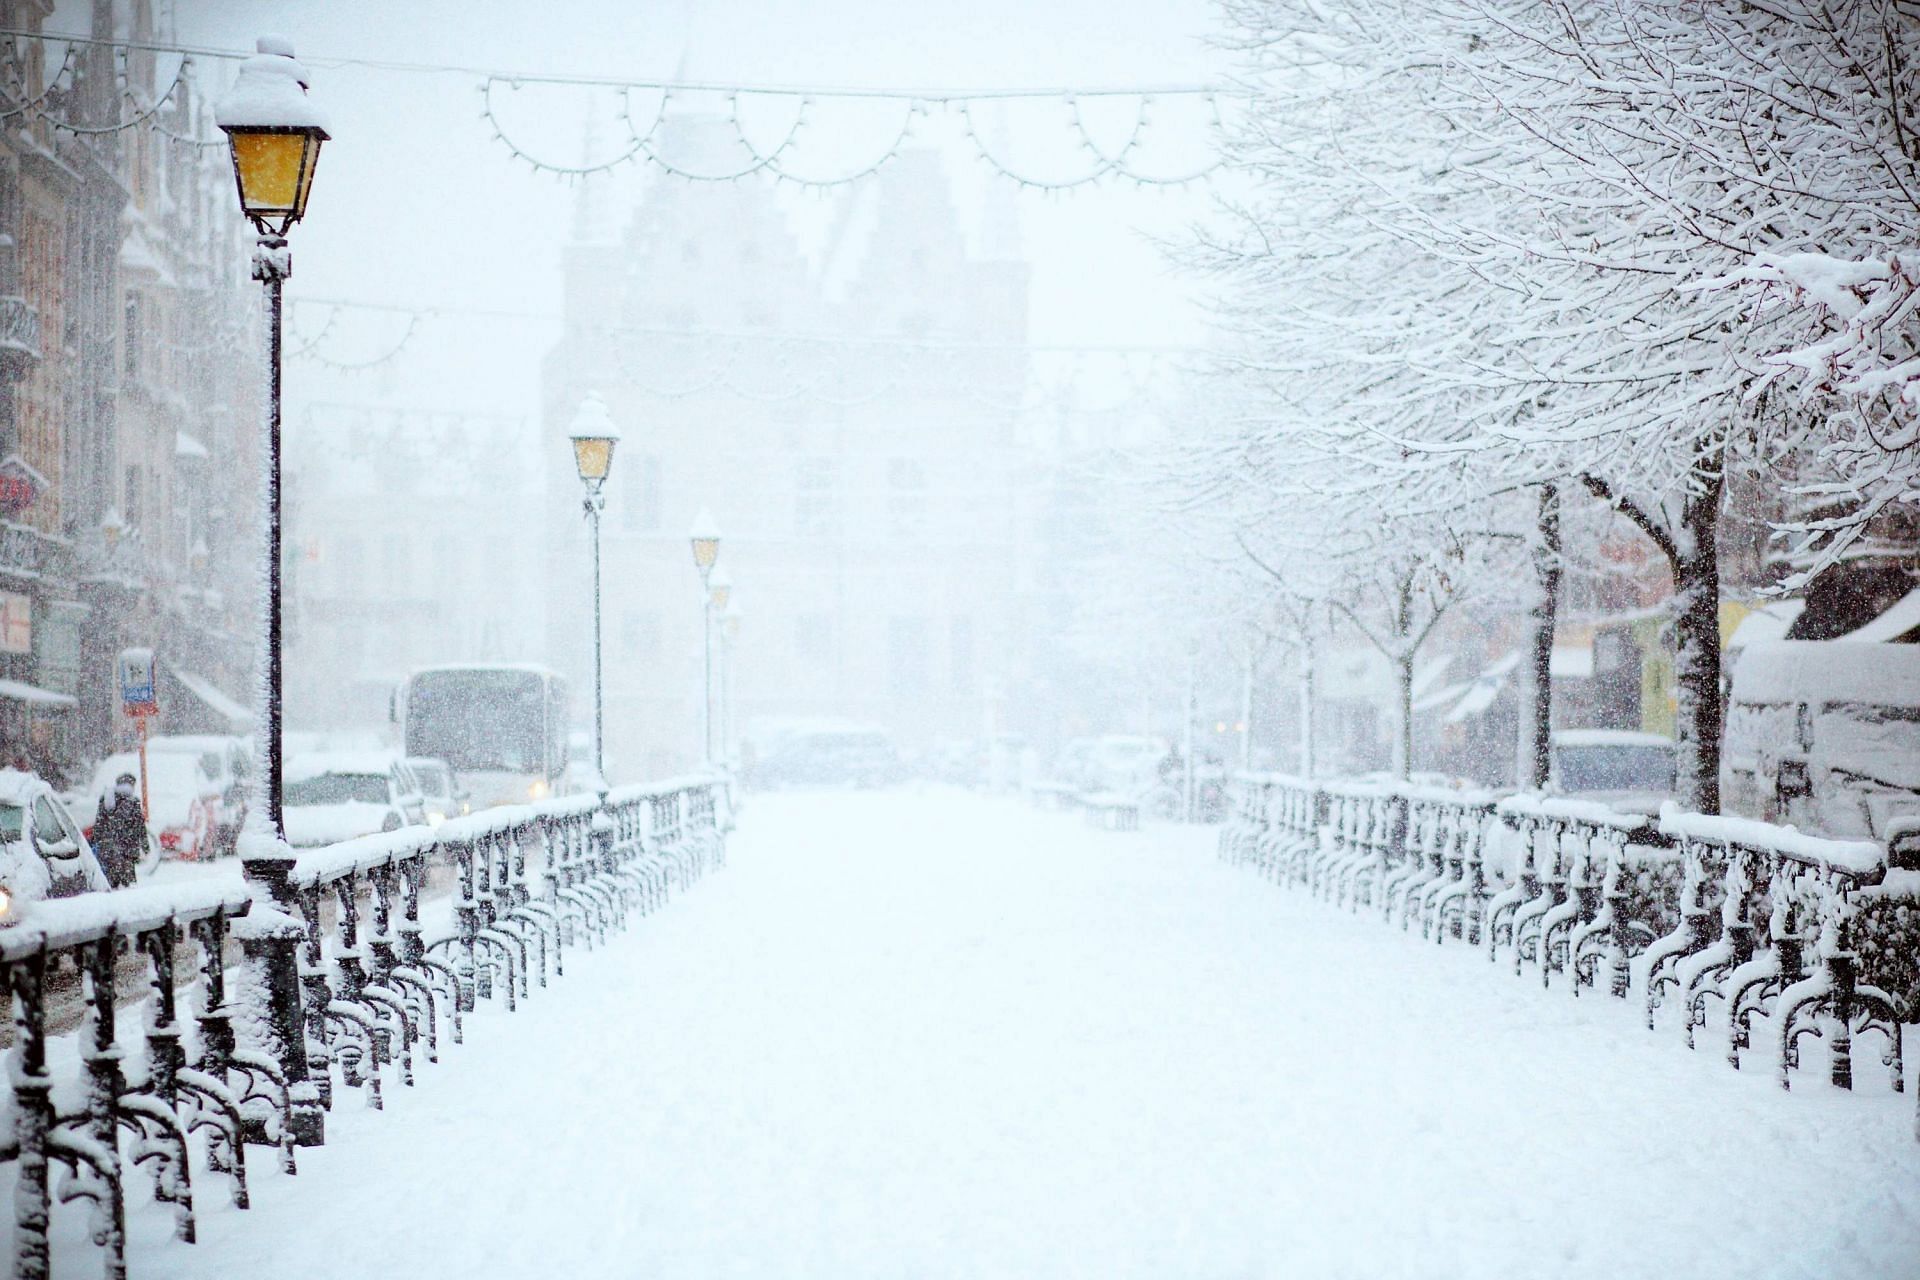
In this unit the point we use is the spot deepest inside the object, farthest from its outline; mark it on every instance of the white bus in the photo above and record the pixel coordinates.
(502, 726)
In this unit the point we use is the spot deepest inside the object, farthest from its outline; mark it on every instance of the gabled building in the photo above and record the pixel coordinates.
(850, 420)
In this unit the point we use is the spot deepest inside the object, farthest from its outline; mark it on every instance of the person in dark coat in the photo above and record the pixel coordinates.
(120, 833)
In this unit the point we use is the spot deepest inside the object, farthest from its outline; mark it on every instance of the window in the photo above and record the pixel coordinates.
(46, 825)
(640, 513)
(130, 515)
(907, 654)
(816, 509)
(906, 497)
(960, 655)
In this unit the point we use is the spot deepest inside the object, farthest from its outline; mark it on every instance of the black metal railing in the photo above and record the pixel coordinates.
(1735, 924)
(398, 937)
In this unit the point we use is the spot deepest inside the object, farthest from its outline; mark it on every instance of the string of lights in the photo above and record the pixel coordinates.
(141, 113)
(15, 67)
(778, 162)
(639, 146)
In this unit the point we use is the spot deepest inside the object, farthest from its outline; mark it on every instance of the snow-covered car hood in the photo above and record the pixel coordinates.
(315, 824)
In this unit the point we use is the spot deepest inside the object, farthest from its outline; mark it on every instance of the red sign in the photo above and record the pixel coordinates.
(20, 486)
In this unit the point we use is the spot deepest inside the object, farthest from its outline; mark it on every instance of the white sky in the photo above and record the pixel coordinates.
(416, 204)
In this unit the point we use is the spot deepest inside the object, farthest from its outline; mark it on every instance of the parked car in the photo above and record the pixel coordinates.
(42, 851)
(229, 762)
(441, 795)
(1824, 735)
(335, 796)
(184, 800)
(855, 757)
(1625, 770)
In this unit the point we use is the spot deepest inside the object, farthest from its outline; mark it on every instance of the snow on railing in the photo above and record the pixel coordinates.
(1767, 925)
(260, 1062)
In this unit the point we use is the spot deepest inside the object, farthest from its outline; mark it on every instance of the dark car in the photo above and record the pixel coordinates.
(831, 758)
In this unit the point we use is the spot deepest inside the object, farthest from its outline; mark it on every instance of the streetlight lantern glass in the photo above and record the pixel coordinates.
(275, 132)
(274, 170)
(593, 457)
(705, 539)
(720, 589)
(594, 437)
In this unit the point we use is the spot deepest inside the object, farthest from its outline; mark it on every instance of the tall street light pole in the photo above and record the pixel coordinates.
(729, 654)
(705, 540)
(719, 592)
(594, 437)
(275, 131)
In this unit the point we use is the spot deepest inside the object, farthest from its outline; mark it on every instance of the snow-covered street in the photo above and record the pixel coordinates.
(930, 1034)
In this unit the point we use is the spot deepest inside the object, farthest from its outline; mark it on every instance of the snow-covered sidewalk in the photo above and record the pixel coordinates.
(924, 1035)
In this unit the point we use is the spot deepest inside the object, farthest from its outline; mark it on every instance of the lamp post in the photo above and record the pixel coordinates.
(719, 593)
(594, 437)
(275, 132)
(705, 540)
(729, 645)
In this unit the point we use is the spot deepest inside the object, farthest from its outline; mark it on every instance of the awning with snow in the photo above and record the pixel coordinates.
(237, 718)
(45, 699)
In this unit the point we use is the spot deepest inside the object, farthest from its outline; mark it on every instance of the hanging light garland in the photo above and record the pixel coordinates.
(642, 145)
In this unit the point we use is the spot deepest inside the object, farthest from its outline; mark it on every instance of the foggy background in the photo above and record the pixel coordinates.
(432, 511)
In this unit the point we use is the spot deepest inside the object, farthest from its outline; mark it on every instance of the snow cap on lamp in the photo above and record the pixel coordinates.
(270, 92)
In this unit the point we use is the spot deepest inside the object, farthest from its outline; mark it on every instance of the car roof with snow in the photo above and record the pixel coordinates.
(1872, 673)
(190, 742)
(320, 763)
(1609, 738)
(20, 788)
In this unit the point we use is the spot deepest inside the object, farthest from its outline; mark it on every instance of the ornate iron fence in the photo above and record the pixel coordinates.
(387, 971)
(1731, 925)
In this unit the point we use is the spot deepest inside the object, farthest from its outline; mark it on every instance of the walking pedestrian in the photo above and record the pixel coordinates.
(120, 833)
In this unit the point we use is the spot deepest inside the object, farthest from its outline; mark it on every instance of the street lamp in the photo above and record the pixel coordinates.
(275, 131)
(729, 645)
(719, 591)
(594, 437)
(704, 537)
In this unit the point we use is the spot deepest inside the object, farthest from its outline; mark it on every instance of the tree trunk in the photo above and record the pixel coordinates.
(1246, 716)
(1306, 708)
(1536, 713)
(1403, 738)
(1696, 582)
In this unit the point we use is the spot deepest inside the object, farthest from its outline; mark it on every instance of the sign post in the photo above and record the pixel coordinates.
(139, 699)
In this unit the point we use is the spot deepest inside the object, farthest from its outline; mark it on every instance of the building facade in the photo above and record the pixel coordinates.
(849, 417)
(130, 384)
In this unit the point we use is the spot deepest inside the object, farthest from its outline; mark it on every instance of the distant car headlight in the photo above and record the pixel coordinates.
(6, 905)
(538, 790)
(435, 817)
